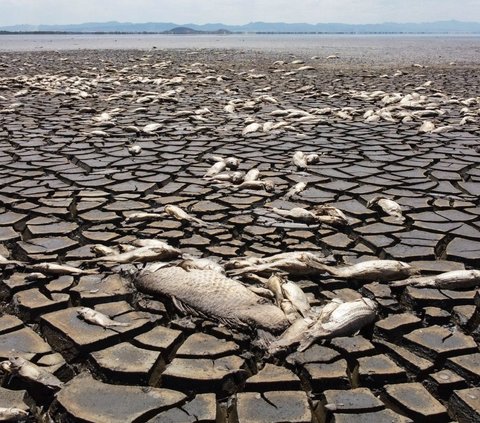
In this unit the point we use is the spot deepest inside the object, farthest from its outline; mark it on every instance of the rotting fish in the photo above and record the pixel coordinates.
(292, 292)
(296, 213)
(346, 319)
(274, 284)
(289, 309)
(233, 177)
(330, 215)
(312, 158)
(300, 160)
(296, 189)
(18, 366)
(101, 249)
(96, 318)
(390, 207)
(252, 175)
(253, 127)
(142, 216)
(12, 414)
(201, 264)
(156, 243)
(180, 214)
(141, 255)
(266, 185)
(212, 295)
(293, 335)
(215, 169)
(293, 264)
(60, 269)
(372, 270)
(456, 279)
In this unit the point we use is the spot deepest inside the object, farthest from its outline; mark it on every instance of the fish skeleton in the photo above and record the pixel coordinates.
(372, 270)
(346, 319)
(456, 279)
(95, 317)
(211, 294)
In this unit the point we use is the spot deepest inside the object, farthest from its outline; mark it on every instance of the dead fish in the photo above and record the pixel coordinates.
(215, 169)
(299, 160)
(253, 127)
(312, 158)
(266, 185)
(151, 128)
(60, 269)
(346, 319)
(372, 270)
(142, 216)
(96, 318)
(251, 175)
(296, 213)
(135, 150)
(456, 279)
(156, 243)
(101, 249)
(12, 414)
(262, 292)
(426, 127)
(296, 189)
(211, 294)
(293, 335)
(180, 214)
(292, 263)
(388, 206)
(330, 215)
(297, 297)
(233, 177)
(289, 309)
(141, 255)
(274, 284)
(24, 369)
(201, 264)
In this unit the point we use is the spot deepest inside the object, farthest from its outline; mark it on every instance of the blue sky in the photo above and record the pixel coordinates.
(235, 11)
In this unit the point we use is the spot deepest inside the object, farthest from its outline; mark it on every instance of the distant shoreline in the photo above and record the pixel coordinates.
(229, 33)
(235, 33)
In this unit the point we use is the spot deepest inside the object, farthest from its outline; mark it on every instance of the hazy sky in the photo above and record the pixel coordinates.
(235, 11)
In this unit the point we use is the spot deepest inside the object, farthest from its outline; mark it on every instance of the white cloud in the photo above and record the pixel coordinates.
(235, 11)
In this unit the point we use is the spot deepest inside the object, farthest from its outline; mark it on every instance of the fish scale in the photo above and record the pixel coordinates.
(214, 295)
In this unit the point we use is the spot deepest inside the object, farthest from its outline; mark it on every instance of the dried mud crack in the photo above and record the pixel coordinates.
(95, 144)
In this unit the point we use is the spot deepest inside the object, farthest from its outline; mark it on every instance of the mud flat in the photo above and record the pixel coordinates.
(68, 181)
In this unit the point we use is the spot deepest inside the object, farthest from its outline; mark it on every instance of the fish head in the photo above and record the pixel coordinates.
(84, 311)
(269, 186)
(15, 363)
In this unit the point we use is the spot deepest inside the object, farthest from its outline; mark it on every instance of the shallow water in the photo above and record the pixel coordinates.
(387, 48)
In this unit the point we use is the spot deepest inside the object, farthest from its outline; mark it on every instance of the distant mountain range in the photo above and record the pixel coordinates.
(253, 27)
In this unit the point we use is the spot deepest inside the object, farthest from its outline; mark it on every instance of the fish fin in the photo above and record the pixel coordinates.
(265, 338)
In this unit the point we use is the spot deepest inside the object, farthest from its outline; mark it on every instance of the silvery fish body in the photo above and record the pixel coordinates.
(60, 269)
(372, 270)
(99, 319)
(211, 294)
(25, 369)
(456, 279)
(293, 335)
(297, 297)
(346, 319)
